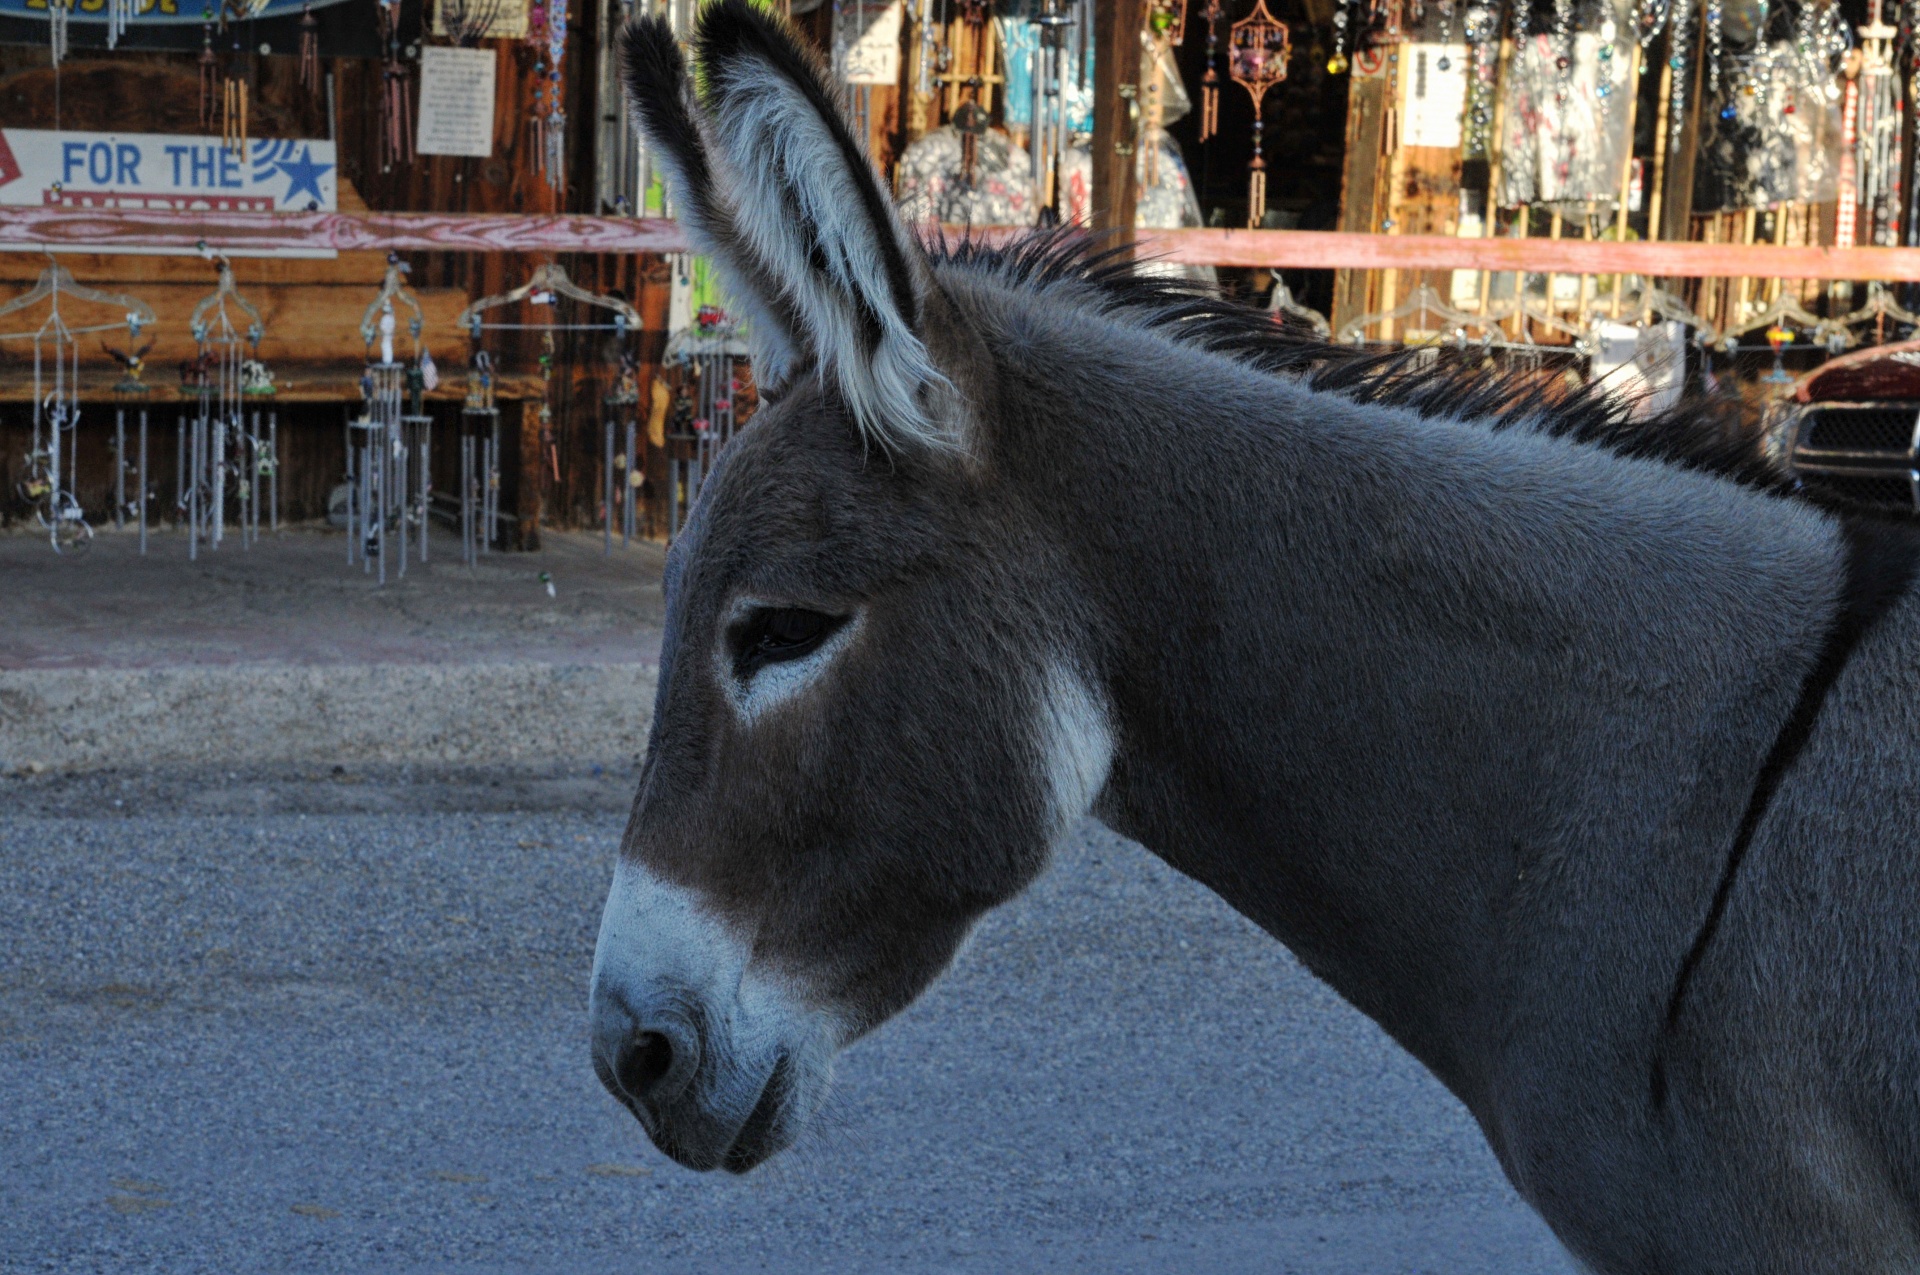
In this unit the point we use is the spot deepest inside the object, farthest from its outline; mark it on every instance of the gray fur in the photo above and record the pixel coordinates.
(1465, 717)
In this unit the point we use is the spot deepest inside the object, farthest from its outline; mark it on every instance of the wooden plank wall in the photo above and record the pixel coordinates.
(313, 308)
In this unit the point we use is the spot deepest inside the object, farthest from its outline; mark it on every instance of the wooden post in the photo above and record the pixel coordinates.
(1116, 114)
(532, 477)
(1359, 185)
(1677, 216)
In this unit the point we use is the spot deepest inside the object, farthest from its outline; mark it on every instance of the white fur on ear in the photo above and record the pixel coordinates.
(664, 107)
(810, 206)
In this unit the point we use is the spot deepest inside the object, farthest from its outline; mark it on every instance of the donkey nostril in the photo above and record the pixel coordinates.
(644, 1063)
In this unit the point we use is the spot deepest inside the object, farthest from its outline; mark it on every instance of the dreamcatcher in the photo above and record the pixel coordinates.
(1257, 50)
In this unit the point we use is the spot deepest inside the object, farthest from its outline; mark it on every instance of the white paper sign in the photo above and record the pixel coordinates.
(168, 173)
(1436, 98)
(874, 58)
(456, 101)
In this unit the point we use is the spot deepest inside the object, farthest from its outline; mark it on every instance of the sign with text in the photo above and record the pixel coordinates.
(456, 101)
(154, 11)
(165, 173)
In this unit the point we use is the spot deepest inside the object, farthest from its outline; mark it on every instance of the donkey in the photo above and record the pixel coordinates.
(1582, 766)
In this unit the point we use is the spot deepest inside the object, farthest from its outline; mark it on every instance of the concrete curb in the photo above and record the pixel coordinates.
(213, 715)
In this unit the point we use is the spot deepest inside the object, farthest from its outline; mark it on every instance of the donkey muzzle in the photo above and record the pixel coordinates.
(719, 1063)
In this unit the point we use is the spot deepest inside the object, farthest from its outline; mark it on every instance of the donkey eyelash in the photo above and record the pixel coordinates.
(774, 635)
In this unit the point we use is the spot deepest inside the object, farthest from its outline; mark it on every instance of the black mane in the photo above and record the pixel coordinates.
(1707, 433)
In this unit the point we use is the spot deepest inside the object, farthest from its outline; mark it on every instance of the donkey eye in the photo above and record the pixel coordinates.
(773, 634)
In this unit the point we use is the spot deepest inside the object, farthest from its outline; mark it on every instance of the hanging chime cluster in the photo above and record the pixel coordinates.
(223, 89)
(396, 91)
(547, 34)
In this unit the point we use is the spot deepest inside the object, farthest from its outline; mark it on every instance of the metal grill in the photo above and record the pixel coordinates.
(1889, 491)
(1879, 427)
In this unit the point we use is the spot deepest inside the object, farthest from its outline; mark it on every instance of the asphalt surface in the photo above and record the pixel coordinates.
(325, 1041)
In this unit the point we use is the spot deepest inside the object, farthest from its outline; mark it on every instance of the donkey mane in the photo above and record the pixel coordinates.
(1706, 433)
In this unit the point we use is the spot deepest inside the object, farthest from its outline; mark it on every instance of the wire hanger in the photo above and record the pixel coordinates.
(223, 292)
(54, 283)
(548, 282)
(1422, 300)
(392, 289)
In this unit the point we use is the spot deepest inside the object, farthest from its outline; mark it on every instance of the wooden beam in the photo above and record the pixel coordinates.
(1307, 249)
(1359, 184)
(1117, 108)
(102, 230)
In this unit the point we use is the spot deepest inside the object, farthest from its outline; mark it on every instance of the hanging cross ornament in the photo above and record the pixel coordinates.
(1257, 50)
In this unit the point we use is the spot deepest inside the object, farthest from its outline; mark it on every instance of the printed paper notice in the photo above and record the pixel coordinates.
(456, 101)
(1436, 98)
(874, 58)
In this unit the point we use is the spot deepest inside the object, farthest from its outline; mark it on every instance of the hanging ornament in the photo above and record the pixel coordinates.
(119, 15)
(209, 69)
(309, 48)
(1210, 82)
(1337, 64)
(1257, 50)
(547, 33)
(396, 92)
(1167, 29)
(1445, 63)
(58, 11)
(1678, 42)
(233, 116)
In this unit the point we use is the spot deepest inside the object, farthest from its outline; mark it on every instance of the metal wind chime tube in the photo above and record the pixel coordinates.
(144, 492)
(1049, 132)
(629, 529)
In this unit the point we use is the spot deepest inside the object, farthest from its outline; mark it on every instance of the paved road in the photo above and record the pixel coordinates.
(354, 1042)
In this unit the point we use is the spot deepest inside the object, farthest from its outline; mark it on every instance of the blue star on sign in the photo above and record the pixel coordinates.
(304, 174)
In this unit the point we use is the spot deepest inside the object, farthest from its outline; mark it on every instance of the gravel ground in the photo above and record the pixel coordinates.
(326, 1041)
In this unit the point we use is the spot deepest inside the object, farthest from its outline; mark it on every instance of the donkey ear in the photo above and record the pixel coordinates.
(814, 212)
(663, 106)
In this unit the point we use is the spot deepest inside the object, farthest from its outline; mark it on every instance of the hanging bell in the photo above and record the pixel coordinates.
(1338, 63)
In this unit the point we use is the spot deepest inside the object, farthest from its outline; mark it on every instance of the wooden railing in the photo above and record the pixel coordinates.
(104, 230)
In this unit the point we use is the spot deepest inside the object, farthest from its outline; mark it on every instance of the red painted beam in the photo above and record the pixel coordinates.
(103, 230)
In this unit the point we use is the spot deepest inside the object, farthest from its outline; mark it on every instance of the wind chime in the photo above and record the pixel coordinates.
(52, 455)
(1210, 82)
(1047, 140)
(58, 13)
(1167, 27)
(396, 93)
(1257, 50)
(309, 49)
(216, 443)
(1877, 130)
(547, 33)
(970, 118)
(223, 97)
(388, 475)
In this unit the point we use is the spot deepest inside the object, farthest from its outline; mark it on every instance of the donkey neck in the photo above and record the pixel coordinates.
(1371, 673)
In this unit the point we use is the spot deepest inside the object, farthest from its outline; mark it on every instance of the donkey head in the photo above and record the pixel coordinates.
(872, 722)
